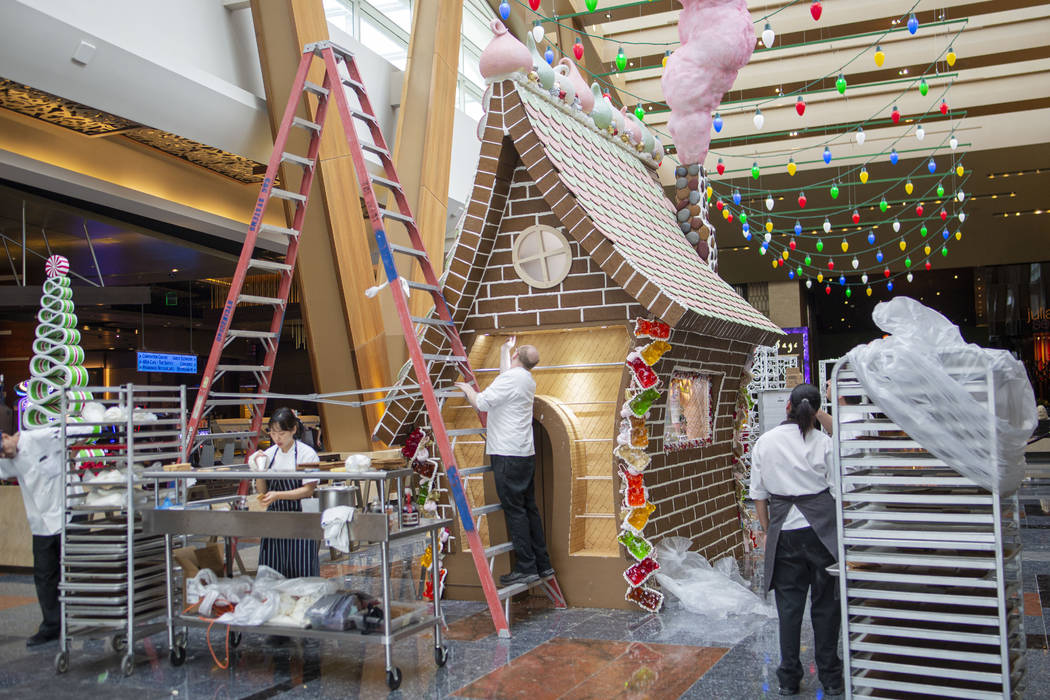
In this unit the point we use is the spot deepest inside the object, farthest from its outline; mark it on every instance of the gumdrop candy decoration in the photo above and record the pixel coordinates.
(652, 352)
(646, 598)
(640, 404)
(657, 330)
(636, 459)
(637, 547)
(58, 359)
(639, 573)
(644, 376)
(638, 518)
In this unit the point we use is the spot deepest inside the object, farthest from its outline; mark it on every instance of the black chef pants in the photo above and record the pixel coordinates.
(801, 567)
(47, 551)
(516, 488)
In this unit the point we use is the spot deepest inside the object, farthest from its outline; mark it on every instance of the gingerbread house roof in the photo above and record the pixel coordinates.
(609, 201)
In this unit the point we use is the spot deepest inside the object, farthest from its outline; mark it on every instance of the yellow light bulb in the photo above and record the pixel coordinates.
(775, 263)
(868, 291)
(950, 58)
(725, 214)
(784, 255)
(845, 246)
(903, 244)
(908, 187)
(791, 167)
(926, 249)
(769, 226)
(958, 235)
(820, 277)
(709, 192)
(959, 170)
(863, 176)
(880, 57)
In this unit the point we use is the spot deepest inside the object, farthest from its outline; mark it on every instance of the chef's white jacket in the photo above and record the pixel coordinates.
(38, 468)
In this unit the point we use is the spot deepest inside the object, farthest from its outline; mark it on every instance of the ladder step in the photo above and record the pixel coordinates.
(372, 148)
(285, 194)
(263, 335)
(431, 321)
(253, 299)
(407, 250)
(496, 550)
(351, 83)
(306, 124)
(270, 264)
(270, 228)
(447, 393)
(376, 180)
(465, 431)
(395, 215)
(363, 116)
(444, 358)
(486, 509)
(232, 402)
(475, 470)
(315, 89)
(298, 160)
(243, 368)
(508, 591)
(424, 286)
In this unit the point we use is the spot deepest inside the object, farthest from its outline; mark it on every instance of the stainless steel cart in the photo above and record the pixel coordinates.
(112, 571)
(201, 519)
(929, 562)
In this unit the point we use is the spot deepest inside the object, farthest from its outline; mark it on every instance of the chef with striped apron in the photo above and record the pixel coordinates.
(291, 557)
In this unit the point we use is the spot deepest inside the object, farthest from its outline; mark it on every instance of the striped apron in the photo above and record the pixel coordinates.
(292, 558)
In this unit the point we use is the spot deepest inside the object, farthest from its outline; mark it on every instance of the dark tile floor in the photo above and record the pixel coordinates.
(569, 653)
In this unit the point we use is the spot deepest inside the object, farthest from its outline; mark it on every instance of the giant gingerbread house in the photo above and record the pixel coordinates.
(570, 244)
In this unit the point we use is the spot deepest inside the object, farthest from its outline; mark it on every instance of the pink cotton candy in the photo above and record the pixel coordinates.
(717, 41)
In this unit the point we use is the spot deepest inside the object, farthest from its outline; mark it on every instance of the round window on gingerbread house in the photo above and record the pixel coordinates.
(541, 256)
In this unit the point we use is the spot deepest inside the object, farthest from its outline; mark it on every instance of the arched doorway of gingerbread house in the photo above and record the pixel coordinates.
(545, 483)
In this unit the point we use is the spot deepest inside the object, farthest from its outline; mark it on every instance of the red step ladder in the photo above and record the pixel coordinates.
(334, 85)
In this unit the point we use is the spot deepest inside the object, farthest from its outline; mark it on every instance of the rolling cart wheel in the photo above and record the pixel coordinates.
(62, 662)
(181, 638)
(235, 640)
(127, 665)
(441, 655)
(118, 642)
(177, 656)
(393, 678)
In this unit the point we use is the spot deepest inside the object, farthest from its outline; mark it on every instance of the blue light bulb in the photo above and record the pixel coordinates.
(548, 56)
(842, 280)
(745, 227)
(945, 234)
(747, 236)
(871, 238)
(791, 274)
(913, 24)
(504, 11)
(894, 157)
(736, 197)
(889, 286)
(717, 123)
(827, 154)
(798, 229)
(932, 166)
(878, 256)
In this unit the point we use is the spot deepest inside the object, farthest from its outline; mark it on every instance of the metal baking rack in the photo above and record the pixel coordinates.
(201, 518)
(929, 562)
(112, 581)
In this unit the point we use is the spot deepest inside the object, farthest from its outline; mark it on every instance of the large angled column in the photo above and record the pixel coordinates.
(344, 328)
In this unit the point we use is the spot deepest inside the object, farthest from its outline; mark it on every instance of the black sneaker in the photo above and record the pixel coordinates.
(516, 577)
(41, 638)
(788, 691)
(547, 573)
(840, 690)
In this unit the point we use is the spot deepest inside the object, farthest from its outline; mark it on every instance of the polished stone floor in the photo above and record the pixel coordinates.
(572, 653)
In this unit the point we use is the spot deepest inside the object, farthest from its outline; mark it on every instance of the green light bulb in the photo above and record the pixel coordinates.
(940, 190)
(923, 231)
(834, 190)
(591, 4)
(923, 87)
(743, 218)
(907, 262)
(849, 292)
(639, 112)
(820, 245)
(840, 84)
(621, 59)
(808, 260)
(883, 205)
(754, 170)
(944, 251)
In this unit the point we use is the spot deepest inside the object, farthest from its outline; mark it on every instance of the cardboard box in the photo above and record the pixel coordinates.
(193, 559)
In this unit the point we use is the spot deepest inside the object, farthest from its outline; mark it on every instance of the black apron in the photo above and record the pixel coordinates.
(819, 509)
(291, 558)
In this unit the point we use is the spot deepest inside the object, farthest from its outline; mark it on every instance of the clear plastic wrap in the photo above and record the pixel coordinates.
(922, 375)
(256, 609)
(715, 591)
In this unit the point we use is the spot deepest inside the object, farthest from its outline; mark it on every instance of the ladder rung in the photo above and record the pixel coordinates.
(424, 286)
(351, 83)
(475, 470)
(407, 250)
(232, 333)
(270, 228)
(285, 194)
(465, 431)
(444, 358)
(446, 393)
(363, 116)
(243, 368)
(496, 550)
(485, 510)
(431, 321)
(226, 436)
(375, 179)
(232, 402)
(270, 264)
(371, 147)
(395, 215)
(298, 160)
(253, 299)
(315, 89)
(306, 124)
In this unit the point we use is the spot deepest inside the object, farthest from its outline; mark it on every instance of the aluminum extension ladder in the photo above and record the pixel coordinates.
(335, 85)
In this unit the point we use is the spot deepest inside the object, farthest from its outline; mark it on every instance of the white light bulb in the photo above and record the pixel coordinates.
(769, 202)
(961, 195)
(827, 226)
(855, 263)
(860, 136)
(962, 216)
(910, 277)
(768, 237)
(920, 133)
(809, 284)
(537, 33)
(864, 278)
(953, 142)
(759, 119)
(896, 226)
(768, 36)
